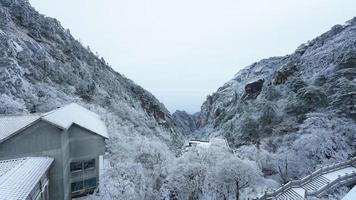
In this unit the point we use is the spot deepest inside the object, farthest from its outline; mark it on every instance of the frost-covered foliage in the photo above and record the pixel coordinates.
(211, 172)
(42, 67)
(142, 168)
(282, 117)
(294, 113)
(185, 121)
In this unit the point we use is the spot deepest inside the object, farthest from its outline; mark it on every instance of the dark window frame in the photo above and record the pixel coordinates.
(90, 183)
(76, 169)
(89, 164)
(79, 189)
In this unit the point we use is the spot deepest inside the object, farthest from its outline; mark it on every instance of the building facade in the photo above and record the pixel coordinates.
(72, 135)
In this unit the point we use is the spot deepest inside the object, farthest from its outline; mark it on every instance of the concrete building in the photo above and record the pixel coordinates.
(72, 136)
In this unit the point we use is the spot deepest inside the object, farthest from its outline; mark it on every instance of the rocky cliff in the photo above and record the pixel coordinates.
(275, 95)
(299, 108)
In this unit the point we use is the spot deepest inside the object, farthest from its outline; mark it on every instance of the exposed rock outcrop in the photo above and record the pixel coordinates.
(275, 96)
(252, 90)
(283, 75)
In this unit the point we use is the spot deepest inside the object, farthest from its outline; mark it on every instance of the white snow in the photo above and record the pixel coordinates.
(351, 195)
(342, 172)
(317, 182)
(17, 47)
(73, 113)
(300, 191)
(199, 143)
(19, 176)
(63, 117)
(12, 124)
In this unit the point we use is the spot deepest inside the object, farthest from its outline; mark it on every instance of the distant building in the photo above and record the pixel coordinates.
(72, 137)
(192, 143)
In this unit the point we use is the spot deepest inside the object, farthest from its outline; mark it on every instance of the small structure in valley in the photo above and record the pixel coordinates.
(193, 143)
(60, 148)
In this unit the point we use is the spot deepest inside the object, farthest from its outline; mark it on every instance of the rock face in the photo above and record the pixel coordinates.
(185, 121)
(277, 96)
(252, 90)
(42, 67)
(283, 75)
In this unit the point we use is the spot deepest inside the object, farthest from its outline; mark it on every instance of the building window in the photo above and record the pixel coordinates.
(80, 165)
(90, 183)
(90, 164)
(76, 166)
(77, 186)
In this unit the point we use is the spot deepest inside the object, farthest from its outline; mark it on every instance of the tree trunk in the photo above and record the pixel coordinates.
(237, 192)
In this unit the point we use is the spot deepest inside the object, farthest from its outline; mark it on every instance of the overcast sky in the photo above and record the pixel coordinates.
(183, 50)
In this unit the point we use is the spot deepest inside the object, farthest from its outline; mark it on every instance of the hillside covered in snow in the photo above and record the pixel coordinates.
(276, 120)
(44, 67)
(290, 114)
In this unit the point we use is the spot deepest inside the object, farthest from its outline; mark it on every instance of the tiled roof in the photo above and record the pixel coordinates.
(63, 117)
(19, 176)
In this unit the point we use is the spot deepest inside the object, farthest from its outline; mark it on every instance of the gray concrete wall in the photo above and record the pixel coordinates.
(40, 139)
(66, 165)
(44, 139)
(85, 145)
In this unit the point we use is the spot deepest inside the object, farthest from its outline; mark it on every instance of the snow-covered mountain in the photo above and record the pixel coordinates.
(282, 117)
(299, 107)
(289, 115)
(42, 67)
(185, 121)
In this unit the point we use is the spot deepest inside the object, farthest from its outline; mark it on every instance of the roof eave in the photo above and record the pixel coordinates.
(18, 131)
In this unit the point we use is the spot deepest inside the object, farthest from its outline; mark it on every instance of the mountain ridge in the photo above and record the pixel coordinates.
(43, 67)
(277, 68)
(282, 117)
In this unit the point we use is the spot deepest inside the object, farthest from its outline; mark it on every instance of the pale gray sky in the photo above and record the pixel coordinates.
(183, 50)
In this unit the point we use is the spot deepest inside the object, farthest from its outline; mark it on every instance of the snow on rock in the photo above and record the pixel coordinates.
(290, 114)
(185, 121)
(43, 67)
(300, 116)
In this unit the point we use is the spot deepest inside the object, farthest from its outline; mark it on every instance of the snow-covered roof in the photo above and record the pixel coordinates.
(73, 113)
(63, 117)
(199, 143)
(19, 176)
(13, 124)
